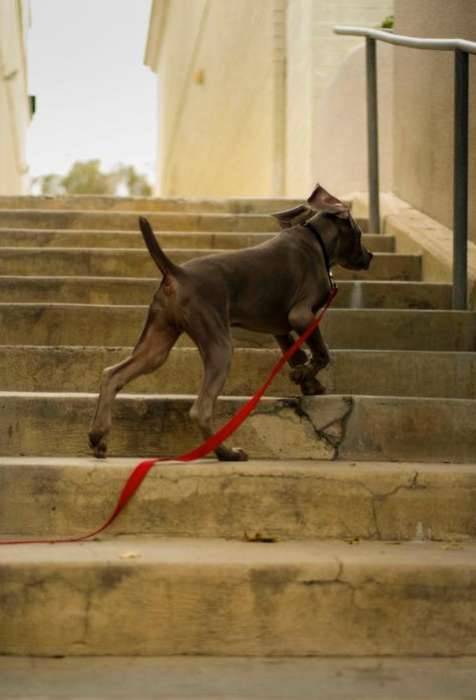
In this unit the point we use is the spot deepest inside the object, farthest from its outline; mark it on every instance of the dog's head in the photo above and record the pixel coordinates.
(332, 219)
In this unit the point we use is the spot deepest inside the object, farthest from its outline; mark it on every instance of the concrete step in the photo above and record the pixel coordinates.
(257, 500)
(128, 221)
(132, 262)
(236, 205)
(211, 678)
(366, 329)
(142, 597)
(133, 290)
(324, 427)
(379, 373)
(132, 239)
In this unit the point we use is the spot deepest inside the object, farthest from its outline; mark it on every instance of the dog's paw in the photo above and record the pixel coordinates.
(98, 445)
(301, 374)
(236, 454)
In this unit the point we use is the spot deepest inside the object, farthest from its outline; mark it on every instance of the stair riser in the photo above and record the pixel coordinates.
(97, 290)
(350, 372)
(356, 329)
(241, 205)
(116, 607)
(125, 221)
(121, 239)
(360, 428)
(138, 263)
(268, 502)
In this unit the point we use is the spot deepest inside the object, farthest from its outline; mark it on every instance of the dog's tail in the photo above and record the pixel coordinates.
(166, 266)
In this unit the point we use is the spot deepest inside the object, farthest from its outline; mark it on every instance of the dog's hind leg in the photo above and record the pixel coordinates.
(155, 343)
(215, 346)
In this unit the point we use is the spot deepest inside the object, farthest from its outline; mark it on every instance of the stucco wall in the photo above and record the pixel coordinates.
(248, 91)
(342, 119)
(423, 126)
(14, 106)
(216, 109)
(324, 79)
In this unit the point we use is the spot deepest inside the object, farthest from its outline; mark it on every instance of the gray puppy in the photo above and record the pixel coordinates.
(275, 287)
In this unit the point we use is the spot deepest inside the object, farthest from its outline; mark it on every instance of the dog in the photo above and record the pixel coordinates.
(275, 287)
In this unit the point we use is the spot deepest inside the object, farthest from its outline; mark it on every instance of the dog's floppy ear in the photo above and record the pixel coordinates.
(319, 201)
(293, 217)
(322, 200)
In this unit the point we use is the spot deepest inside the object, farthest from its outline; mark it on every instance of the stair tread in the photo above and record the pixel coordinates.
(212, 678)
(125, 396)
(288, 468)
(412, 559)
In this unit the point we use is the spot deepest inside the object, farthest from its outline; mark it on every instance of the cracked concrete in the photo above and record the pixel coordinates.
(294, 598)
(325, 427)
(277, 500)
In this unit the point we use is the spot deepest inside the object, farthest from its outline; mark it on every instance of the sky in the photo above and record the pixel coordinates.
(95, 98)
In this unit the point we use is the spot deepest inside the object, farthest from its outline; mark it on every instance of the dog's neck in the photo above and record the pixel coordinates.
(326, 235)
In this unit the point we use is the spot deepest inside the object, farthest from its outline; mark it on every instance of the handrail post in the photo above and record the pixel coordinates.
(372, 136)
(460, 182)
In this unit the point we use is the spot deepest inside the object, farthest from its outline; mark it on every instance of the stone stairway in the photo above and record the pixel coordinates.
(352, 530)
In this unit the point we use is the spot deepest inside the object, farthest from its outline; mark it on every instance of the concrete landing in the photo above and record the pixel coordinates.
(208, 678)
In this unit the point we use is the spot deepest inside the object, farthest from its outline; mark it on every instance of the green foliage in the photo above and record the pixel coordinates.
(388, 22)
(86, 177)
(135, 183)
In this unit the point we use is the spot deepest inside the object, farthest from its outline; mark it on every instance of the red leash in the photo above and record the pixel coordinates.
(139, 473)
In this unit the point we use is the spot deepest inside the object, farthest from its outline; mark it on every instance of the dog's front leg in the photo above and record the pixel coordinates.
(285, 342)
(305, 374)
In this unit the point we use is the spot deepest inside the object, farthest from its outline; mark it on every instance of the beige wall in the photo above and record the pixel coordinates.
(248, 90)
(326, 95)
(216, 77)
(423, 127)
(342, 119)
(14, 106)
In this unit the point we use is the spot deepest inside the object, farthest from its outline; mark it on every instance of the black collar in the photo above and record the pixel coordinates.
(324, 251)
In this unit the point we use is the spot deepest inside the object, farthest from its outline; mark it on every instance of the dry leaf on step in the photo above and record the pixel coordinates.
(130, 555)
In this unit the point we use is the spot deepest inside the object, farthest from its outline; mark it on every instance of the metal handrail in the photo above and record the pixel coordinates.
(411, 42)
(461, 49)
